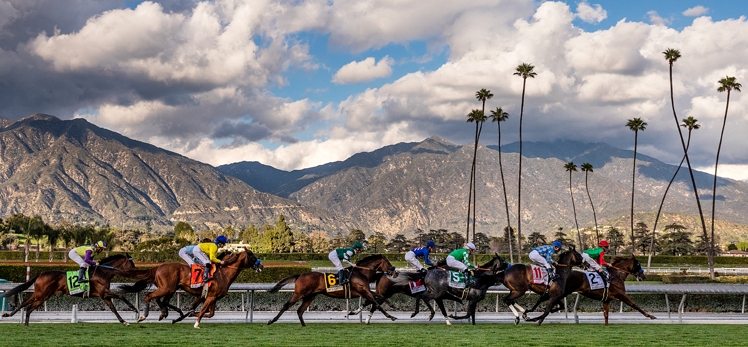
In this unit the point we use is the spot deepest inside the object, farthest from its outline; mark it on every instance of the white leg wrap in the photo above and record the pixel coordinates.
(516, 314)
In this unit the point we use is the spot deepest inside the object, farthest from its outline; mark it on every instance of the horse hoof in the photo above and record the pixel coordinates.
(173, 321)
(142, 318)
(652, 317)
(431, 317)
(413, 315)
(160, 318)
(516, 320)
(448, 322)
(126, 324)
(270, 322)
(197, 325)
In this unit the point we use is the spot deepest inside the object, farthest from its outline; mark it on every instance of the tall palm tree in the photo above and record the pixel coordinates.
(636, 125)
(726, 84)
(690, 123)
(672, 55)
(571, 167)
(482, 95)
(53, 236)
(478, 118)
(498, 115)
(587, 168)
(524, 70)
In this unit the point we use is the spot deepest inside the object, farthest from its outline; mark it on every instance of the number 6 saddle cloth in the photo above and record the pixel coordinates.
(332, 282)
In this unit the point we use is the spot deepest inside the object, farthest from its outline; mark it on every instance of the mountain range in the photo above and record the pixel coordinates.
(73, 170)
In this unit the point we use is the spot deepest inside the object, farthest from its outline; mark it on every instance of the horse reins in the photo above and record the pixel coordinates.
(619, 269)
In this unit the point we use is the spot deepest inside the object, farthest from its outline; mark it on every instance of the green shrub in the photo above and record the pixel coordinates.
(679, 279)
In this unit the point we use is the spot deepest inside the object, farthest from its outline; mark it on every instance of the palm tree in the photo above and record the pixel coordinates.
(570, 167)
(690, 123)
(53, 235)
(635, 125)
(672, 55)
(726, 84)
(37, 230)
(478, 117)
(482, 95)
(524, 70)
(498, 115)
(587, 168)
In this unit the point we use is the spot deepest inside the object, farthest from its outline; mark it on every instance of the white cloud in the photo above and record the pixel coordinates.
(363, 71)
(695, 11)
(7, 13)
(591, 14)
(655, 18)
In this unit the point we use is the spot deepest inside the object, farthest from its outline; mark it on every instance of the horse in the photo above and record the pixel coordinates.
(619, 269)
(310, 284)
(168, 278)
(518, 279)
(438, 289)
(52, 282)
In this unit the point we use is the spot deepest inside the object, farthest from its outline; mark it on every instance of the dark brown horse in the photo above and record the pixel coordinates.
(49, 283)
(619, 269)
(170, 277)
(310, 284)
(438, 289)
(518, 279)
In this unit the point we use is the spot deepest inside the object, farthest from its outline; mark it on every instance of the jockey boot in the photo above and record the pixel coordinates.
(422, 270)
(206, 273)
(342, 276)
(82, 275)
(552, 276)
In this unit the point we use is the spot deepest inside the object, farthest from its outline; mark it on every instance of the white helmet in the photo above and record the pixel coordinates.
(469, 245)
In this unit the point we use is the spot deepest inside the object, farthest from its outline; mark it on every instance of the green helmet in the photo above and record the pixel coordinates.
(358, 245)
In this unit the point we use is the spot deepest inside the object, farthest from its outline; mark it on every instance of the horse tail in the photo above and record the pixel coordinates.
(402, 278)
(20, 288)
(283, 282)
(136, 287)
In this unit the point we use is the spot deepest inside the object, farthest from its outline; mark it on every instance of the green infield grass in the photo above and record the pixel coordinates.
(328, 335)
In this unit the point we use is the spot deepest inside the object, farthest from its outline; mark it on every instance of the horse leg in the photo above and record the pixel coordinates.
(21, 306)
(109, 303)
(182, 316)
(418, 308)
(34, 305)
(551, 303)
(509, 301)
(626, 300)
(210, 300)
(431, 316)
(304, 305)
(163, 304)
(542, 298)
(373, 297)
(159, 292)
(606, 309)
(440, 303)
(170, 306)
(296, 297)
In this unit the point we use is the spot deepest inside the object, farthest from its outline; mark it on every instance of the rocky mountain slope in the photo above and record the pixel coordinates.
(73, 170)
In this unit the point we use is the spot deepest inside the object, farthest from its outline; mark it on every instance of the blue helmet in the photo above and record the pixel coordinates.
(430, 244)
(221, 239)
(557, 244)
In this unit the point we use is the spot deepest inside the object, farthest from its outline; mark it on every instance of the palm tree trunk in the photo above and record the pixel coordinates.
(38, 241)
(690, 171)
(519, 179)
(633, 185)
(574, 208)
(475, 183)
(65, 254)
(594, 215)
(470, 187)
(506, 202)
(714, 187)
(27, 246)
(51, 252)
(662, 203)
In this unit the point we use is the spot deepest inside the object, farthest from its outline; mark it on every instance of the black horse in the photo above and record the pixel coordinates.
(438, 289)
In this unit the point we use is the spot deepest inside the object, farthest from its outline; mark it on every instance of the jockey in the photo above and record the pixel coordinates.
(187, 253)
(459, 259)
(542, 256)
(594, 258)
(206, 253)
(420, 252)
(344, 255)
(84, 256)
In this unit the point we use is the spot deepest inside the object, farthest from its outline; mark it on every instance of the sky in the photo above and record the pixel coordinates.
(295, 84)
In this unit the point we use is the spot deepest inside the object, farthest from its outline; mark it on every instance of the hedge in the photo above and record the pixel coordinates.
(17, 272)
(174, 257)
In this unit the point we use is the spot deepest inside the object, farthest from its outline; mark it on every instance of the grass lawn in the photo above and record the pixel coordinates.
(322, 334)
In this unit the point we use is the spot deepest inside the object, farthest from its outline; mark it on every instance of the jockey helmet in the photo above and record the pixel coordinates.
(557, 244)
(430, 244)
(603, 244)
(221, 239)
(100, 244)
(469, 245)
(358, 245)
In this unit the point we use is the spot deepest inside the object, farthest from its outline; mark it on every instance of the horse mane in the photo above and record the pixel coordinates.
(113, 258)
(369, 259)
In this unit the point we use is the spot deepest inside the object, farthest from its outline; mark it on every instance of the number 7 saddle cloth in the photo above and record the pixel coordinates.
(196, 275)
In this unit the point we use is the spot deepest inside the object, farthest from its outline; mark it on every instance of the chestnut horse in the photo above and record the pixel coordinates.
(518, 279)
(619, 269)
(310, 284)
(49, 283)
(170, 277)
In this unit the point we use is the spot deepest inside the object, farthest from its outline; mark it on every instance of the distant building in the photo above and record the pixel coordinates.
(735, 253)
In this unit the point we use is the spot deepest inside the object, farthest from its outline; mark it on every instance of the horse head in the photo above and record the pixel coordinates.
(496, 264)
(377, 262)
(629, 265)
(119, 262)
(570, 257)
(245, 259)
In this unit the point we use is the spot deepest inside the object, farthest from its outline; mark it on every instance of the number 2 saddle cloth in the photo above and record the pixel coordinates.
(196, 275)
(596, 281)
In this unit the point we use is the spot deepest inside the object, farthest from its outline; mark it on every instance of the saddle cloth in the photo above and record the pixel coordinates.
(196, 276)
(75, 287)
(539, 275)
(417, 286)
(456, 279)
(595, 280)
(332, 282)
